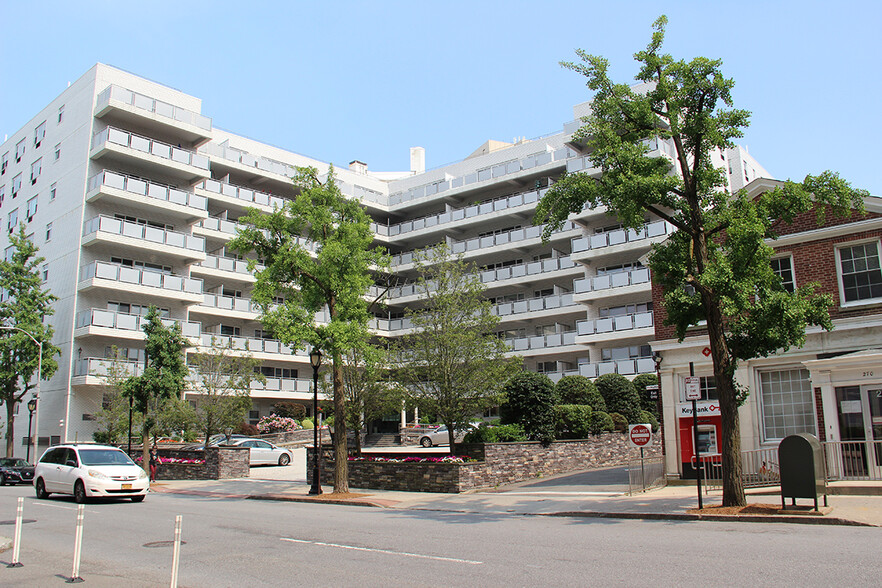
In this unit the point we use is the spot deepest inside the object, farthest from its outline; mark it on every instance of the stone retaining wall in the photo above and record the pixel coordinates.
(498, 464)
(221, 463)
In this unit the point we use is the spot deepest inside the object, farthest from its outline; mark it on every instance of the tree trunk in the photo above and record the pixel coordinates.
(10, 430)
(145, 444)
(341, 463)
(451, 435)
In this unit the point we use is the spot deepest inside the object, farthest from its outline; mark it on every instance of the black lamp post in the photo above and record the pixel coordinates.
(131, 407)
(661, 417)
(32, 406)
(315, 360)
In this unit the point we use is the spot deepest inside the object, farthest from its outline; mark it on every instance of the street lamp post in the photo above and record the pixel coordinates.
(32, 406)
(661, 417)
(37, 391)
(131, 408)
(315, 360)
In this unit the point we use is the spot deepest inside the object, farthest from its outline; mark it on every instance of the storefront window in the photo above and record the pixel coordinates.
(787, 403)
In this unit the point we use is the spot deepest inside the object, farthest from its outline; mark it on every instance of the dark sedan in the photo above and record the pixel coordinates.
(15, 471)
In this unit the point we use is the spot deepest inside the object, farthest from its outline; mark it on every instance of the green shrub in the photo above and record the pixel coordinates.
(101, 437)
(292, 410)
(572, 421)
(579, 390)
(601, 422)
(496, 434)
(620, 396)
(529, 401)
(247, 429)
(620, 423)
(648, 417)
(307, 424)
(640, 384)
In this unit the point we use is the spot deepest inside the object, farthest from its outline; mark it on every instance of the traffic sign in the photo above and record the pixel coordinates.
(640, 435)
(693, 388)
(652, 390)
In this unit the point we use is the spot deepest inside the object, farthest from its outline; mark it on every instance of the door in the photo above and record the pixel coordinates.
(262, 452)
(872, 405)
(860, 429)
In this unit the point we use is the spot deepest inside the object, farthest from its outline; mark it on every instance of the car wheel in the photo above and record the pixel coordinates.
(426, 442)
(139, 498)
(80, 492)
(40, 488)
(284, 459)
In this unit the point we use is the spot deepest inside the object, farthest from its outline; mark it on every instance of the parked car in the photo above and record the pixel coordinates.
(15, 471)
(440, 437)
(263, 452)
(89, 471)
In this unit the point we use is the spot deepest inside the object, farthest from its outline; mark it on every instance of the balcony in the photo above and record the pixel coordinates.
(97, 321)
(618, 327)
(237, 196)
(617, 284)
(227, 306)
(625, 367)
(105, 275)
(97, 371)
(226, 268)
(118, 189)
(125, 105)
(120, 233)
(541, 342)
(162, 157)
(259, 348)
(612, 242)
(534, 306)
(253, 166)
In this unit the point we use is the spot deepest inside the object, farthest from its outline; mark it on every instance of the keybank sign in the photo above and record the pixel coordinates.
(703, 409)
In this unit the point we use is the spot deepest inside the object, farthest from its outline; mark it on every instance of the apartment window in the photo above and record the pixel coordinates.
(39, 134)
(8, 253)
(19, 150)
(229, 331)
(783, 267)
(16, 185)
(137, 309)
(45, 272)
(263, 334)
(4, 164)
(625, 310)
(52, 190)
(2, 193)
(543, 293)
(32, 208)
(36, 170)
(48, 231)
(546, 367)
(276, 372)
(58, 152)
(231, 293)
(253, 416)
(60, 114)
(787, 404)
(13, 220)
(622, 353)
(125, 353)
(708, 389)
(142, 265)
(860, 273)
(618, 269)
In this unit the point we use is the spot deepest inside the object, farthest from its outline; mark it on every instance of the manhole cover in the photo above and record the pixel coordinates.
(162, 544)
(12, 522)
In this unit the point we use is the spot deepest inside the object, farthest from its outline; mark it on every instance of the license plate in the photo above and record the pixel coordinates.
(126, 486)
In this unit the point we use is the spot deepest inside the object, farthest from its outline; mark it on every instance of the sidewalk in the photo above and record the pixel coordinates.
(669, 503)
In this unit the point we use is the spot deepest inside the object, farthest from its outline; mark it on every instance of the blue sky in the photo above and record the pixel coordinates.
(367, 80)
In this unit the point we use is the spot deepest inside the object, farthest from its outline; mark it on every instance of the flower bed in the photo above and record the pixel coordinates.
(414, 459)
(276, 424)
(164, 460)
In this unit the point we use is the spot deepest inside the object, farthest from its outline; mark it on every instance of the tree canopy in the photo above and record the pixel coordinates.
(318, 256)
(716, 266)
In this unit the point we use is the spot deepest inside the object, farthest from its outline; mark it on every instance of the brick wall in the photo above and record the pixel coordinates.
(221, 463)
(498, 464)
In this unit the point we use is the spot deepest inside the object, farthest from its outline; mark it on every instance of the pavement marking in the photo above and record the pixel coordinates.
(390, 552)
(552, 493)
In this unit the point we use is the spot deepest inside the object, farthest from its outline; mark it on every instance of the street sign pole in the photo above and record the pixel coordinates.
(698, 467)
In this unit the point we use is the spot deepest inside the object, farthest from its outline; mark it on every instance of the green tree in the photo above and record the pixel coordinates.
(529, 401)
(222, 386)
(162, 379)
(331, 272)
(452, 364)
(25, 306)
(369, 395)
(112, 418)
(715, 267)
(579, 390)
(619, 395)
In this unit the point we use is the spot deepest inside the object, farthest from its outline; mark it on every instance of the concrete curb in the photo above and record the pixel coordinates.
(344, 501)
(795, 520)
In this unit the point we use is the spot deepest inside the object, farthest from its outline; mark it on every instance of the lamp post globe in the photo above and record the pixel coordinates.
(315, 360)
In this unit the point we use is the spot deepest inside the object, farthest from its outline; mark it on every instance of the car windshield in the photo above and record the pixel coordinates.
(10, 462)
(98, 457)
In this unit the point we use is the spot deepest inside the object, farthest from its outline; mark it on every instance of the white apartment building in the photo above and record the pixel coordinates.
(131, 194)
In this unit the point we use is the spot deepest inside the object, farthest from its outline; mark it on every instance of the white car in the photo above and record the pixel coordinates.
(440, 437)
(263, 452)
(89, 471)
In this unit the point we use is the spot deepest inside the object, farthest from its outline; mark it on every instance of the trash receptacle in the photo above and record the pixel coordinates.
(803, 473)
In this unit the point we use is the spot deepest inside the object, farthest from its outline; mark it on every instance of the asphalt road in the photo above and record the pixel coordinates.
(231, 542)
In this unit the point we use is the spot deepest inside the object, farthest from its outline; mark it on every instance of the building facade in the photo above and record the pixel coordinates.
(132, 194)
(830, 387)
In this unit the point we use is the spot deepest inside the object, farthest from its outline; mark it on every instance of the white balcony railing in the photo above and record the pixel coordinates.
(141, 187)
(115, 226)
(613, 324)
(148, 104)
(250, 344)
(626, 367)
(619, 236)
(149, 146)
(531, 305)
(229, 303)
(127, 275)
(616, 280)
(542, 341)
(247, 196)
(227, 264)
(100, 367)
(98, 317)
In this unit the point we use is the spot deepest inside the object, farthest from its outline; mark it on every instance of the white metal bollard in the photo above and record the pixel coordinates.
(16, 550)
(176, 554)
(78, 542)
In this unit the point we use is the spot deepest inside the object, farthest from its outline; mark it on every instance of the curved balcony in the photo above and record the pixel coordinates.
(118, 188)
(121, 233)
(123, 104)
(105, 275)
(167, 159)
